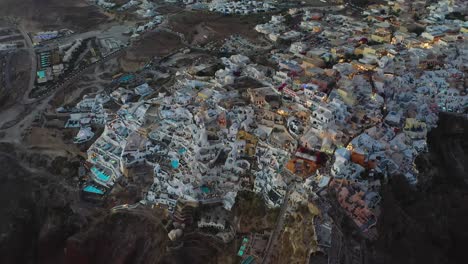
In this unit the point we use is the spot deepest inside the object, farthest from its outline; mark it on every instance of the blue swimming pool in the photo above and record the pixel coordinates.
(205, 189)
(182, 150)
(175, 164)
(100, 175)
(92, 189)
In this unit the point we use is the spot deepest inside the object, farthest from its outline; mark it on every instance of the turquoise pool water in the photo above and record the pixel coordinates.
(100, 175)
(182, 150)
(92, 189)
(175, 164)
(205, 189)
(126, 78)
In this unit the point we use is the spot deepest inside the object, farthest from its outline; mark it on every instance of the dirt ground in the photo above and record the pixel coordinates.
(52, 140)
(36, 15)
(202, 27)
(152, 44)
(165, 8)
(251, 213)
(298, 236)
(19, 66)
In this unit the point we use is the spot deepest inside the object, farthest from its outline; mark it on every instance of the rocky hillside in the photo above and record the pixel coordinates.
(43, 220)
(37, 214)
(428, 225)
(422, 224)
(137, 237)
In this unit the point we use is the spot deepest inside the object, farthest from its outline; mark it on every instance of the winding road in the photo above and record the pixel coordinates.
(124, 207)
(32, 55)
(23, 113)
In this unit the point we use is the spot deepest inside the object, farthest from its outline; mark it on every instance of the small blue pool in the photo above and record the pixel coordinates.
(205, 189)
(182, 150)
(175, 164)
(92, 189)
(126, 78)
(100, 175)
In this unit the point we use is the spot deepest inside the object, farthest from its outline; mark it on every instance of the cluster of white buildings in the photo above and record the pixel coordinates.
(243, 7)
(105, 4)
(372, 90)
(144, 9)
(276, 30)
(346, 105)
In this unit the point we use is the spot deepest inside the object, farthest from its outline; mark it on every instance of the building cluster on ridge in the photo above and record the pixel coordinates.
(346, 105)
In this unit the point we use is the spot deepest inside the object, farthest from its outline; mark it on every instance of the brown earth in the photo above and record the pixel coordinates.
(297, 237)
(36, 15)
(165, 8)
(251, 213)
(151, 44)
(19, 70)
(122, 237)
(52, 140)
(203, 27)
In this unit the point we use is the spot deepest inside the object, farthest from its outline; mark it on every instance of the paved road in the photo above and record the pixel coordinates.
(7, 73)
(77, 73)
(125, 207)
(211, 201)
(32, 55)
(48, 45)
(114, 31)
(39, 104)
(74, 75)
